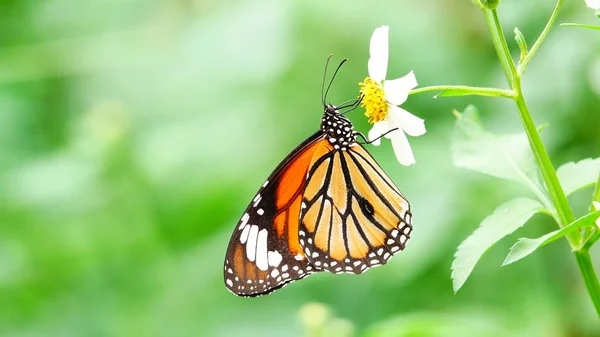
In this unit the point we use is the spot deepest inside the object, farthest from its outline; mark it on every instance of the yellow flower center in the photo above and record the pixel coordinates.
(373, 100)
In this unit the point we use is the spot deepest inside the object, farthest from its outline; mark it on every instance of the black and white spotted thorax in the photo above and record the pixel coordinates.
(339, 130)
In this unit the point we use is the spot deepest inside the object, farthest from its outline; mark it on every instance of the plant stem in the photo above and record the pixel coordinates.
(508, 65)
(589, 276)
(464, 90)
(557, 195)
(595, 232)
(541, 38)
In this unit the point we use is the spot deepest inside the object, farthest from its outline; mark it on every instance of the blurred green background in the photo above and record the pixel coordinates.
(133, 133)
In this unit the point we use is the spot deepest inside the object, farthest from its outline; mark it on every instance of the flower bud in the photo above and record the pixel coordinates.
(522, 45)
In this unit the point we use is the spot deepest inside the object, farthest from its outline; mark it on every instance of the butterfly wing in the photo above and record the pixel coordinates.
(354, 216)
(264, 253)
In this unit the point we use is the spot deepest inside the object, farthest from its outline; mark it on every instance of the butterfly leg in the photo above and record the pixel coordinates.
(352, 106)
(366, 141)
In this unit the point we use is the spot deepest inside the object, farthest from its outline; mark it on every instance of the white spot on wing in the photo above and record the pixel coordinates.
(251, 244)
(260, 211)
(245, 218)
(244, 235)
(274, 259)
(229, 283)
(261, 250)
(257, 200)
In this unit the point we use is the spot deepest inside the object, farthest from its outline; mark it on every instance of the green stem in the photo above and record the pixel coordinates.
(539, 151)
(541, 38)
(464, 90)
(580, 25)
(557, 195)
(595, 232)
(508, 65)
(589, 276)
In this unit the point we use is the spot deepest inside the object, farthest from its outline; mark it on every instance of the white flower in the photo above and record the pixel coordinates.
(595, 4)
(381, 99)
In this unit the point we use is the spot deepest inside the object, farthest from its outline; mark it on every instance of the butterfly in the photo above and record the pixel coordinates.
(328, 206)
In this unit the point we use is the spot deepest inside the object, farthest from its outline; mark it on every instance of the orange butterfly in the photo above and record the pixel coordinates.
(328, 206)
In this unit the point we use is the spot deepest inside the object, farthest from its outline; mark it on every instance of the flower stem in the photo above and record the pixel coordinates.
(508, 65)
(557, 195)
(464, 90)
(589, 276)
(595, 232)
(541, 38)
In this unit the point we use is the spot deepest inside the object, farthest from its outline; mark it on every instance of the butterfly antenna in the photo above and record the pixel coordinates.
(324, 76)
(333, 78)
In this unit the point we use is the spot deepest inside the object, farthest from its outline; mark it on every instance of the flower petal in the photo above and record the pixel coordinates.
(402, 148)
(378, 51)
(376, 131)
(396, 91)
(406, 121)
(595, 4)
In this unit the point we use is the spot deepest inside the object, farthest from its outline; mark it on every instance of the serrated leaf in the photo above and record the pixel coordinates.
(525, 246)
(576, 176)
(506, 157)
(507, 218)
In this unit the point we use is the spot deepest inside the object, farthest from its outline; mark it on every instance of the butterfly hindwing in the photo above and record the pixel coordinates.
(353, 215)
(264, 252)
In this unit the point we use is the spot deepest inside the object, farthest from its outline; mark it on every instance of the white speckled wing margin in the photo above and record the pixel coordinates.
(353, 216)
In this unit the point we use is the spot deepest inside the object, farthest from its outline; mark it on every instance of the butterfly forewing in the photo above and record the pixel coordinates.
(353, 216)
(264, 252)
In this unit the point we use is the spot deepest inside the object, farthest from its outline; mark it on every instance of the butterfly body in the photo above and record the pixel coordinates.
(338, 129)
(328, 206)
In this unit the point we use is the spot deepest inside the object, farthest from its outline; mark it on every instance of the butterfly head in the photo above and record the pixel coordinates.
(337, 128)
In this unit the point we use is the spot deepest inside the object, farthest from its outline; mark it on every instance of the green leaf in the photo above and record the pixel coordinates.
(525, 246)
(522, 43)
(580, 25)
(507, 157)
(506, 219)
(467, 91)
(455, 92)
(576, 176)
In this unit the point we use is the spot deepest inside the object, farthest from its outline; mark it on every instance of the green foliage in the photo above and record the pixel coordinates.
(576, 176)
(503, 221)
(506, 157)
(522, 43)
(525, 246)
